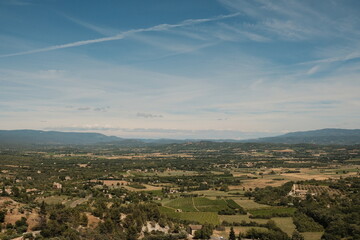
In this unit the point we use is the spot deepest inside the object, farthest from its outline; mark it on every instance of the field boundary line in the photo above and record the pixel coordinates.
(169, 207)
(194, 205)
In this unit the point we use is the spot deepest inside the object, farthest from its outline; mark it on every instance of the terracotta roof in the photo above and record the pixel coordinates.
(195, 227)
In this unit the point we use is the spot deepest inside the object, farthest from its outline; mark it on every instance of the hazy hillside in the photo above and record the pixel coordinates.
(323, 136)
(52, 137)
(22, 137)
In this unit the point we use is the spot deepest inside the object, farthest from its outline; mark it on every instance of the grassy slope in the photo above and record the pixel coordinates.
(312, 235)
(285, 224)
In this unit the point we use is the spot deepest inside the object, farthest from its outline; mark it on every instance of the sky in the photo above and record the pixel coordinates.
(213, 69)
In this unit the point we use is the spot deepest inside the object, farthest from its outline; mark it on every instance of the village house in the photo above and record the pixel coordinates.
(57, 185)
(192, 228)
(296, 191)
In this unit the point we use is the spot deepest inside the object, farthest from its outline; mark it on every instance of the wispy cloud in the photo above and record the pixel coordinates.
(16, 2)
(99, 29)
(296, 20)
(347, 57)
(157, 28)
(246, 34)
(96, 109)
(313, 70)
(84, 108)
(148, 115)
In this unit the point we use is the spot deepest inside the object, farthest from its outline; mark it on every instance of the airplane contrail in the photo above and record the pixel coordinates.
(160, 27)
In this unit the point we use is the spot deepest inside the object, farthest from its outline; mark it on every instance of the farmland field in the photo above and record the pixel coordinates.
(208, 205)
(285, 224)
(147, 187)
(237, 230)
(250, 204)
(197, 204)
(62, 199)
(271, 211)
(201, 217)
(215, 193)
(185, 204)
(240, 218)
(312, 235)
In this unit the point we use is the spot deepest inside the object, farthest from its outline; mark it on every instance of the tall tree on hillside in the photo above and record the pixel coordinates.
(232, 234)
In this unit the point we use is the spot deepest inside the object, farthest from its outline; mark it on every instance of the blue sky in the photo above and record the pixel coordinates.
(180, 69)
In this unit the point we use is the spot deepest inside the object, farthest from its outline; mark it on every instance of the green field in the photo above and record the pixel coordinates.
(185, 204)
(248, 204)
(240, 218)
(201, 217)
(54, 199)
(271, 211)
(225, 233)
(232, 204)
(166, 209)
(285, 224)
(208, 205)
(198, 204)
(312, 235)
(197, 209)
(137, 186)
(167, 173)
(214, 193)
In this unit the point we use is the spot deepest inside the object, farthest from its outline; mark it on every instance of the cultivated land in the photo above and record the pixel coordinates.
(104, 189)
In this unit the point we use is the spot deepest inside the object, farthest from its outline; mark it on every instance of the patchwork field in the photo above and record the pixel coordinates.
(283, 175)
(312, 235)
(184, 204)
(198, 204)
(147, 187)
(248, 204)
(198, 209)
(286, 224)
(205, 210)
(201, 217)
(167, 173)
(240, 218)
(263, 182)
(54, 199)
(215, 193)
(208, 205)
(237, 230)
(271, 211)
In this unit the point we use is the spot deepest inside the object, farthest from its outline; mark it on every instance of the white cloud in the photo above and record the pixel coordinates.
(99, 29)
(148, 115)
(160, 27)
(313, 70)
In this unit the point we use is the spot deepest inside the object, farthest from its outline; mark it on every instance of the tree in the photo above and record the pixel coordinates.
(205, 232)
(297, 236)
(232, 234)
(3, 192)
(2, 215)
(107, 226)
(84, 220)
(42, 208)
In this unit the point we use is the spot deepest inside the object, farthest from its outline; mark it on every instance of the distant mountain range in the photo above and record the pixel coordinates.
(53, 137)
(37, 137)
(322, 136)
